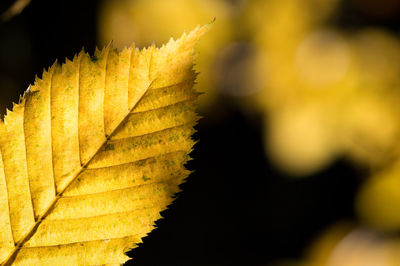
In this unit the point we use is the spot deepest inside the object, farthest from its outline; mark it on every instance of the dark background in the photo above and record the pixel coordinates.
(235, 209)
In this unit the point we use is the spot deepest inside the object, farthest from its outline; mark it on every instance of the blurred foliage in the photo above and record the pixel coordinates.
(327, 92)
(370, 122)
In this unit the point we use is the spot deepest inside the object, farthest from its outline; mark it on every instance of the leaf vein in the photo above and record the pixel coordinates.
(124, 188)
(90, 241)
(26, 163)
(191, 99)
(155, 132)
(135, 161)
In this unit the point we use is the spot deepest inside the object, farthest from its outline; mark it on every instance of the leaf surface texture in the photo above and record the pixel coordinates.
(94, 151)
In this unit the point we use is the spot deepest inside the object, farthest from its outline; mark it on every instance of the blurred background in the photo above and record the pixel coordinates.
(299, 156)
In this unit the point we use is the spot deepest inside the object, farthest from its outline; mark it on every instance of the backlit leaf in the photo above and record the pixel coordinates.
(94, 151)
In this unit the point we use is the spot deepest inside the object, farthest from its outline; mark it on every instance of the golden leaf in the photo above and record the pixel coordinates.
(94, 152)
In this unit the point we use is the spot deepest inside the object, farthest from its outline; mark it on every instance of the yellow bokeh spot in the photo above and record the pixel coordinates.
(300, 139)
(378, 58)
(370, 127)
(378, 201)
(322, 59)
(341, 245)
(319, 251)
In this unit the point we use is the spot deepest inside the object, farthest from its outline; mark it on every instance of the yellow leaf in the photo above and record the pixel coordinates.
(94, 152)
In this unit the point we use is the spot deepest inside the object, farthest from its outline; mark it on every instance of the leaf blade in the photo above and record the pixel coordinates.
(79, 121)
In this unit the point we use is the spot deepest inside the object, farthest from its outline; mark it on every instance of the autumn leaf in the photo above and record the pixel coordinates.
(94, 151)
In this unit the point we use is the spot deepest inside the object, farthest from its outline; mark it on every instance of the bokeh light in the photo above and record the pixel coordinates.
(342, 246)
(351, 79)
(378, 201)
(303, 143)
(322, 59)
